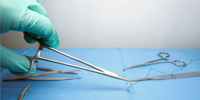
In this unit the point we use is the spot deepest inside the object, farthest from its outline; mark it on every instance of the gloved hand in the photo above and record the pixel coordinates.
(25, 16)
(14, 61)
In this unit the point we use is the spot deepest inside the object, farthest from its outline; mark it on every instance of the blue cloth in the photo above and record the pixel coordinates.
(93, 86)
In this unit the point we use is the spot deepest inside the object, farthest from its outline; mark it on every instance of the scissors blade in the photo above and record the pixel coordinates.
(23, 93)
(134, 65)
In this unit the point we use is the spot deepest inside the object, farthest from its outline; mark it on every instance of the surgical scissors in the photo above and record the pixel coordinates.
(164, 56)
(42, 45)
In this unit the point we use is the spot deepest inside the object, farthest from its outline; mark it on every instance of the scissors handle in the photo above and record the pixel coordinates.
(163, 56)
(175, 62)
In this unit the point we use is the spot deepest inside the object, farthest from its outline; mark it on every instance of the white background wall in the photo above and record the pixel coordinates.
(120, 23)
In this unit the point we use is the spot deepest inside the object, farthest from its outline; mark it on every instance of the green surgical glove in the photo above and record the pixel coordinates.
(14, 61)
(25, 16)
(28, 16)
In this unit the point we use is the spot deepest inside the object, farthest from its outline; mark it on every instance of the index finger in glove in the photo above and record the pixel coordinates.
(38, 25)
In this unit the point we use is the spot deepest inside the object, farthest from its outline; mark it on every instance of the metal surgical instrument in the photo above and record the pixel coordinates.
(50, 72)
(159, 77)
(23, 93)
(162, 58)
(42, 45)
(61, 71)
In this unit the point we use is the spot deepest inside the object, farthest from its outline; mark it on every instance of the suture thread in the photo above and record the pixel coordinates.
(131, 83)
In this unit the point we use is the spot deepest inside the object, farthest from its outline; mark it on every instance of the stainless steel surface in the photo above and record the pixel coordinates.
(42, 45)
(51, 71)
(189, 74)
(51, 78)
(31, 75)
(23, 93)
(157, 61)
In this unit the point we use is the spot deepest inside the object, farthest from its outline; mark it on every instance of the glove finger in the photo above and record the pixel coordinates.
(28, 40)
(14, 61)
(24, 69)
(39, 1)
(40, 25)
(33, 69)
(37, 7)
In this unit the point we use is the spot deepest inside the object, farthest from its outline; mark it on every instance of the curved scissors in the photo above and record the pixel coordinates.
(163, 57)
(42, 45)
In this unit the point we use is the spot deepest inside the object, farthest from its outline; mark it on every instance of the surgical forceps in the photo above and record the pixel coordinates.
(49, 72)
(163, 57)
(23, 93)
(42, 45)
